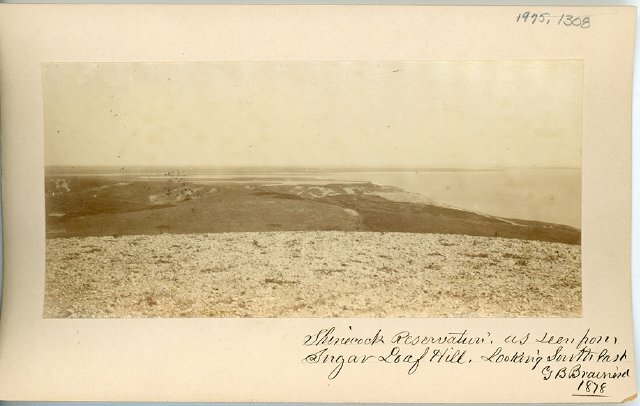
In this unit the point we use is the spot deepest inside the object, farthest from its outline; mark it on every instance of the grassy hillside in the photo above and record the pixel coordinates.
(103, 206)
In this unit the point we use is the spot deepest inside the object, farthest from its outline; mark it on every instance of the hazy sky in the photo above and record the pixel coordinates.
(314, 114)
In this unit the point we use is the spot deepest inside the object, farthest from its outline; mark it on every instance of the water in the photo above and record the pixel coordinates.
(549, 195)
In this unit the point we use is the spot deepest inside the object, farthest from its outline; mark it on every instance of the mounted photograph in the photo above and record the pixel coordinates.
(313, 189)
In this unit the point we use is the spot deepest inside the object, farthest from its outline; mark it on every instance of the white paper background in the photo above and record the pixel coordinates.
(636, 119)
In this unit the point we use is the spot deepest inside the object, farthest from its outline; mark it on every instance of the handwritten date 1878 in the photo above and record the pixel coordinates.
(566, 20)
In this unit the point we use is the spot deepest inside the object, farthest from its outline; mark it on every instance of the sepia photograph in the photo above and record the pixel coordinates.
(313, 189)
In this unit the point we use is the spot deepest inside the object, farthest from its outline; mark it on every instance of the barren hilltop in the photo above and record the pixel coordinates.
(311, 274)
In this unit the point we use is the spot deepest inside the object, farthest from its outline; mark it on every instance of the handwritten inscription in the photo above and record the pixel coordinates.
(563, 20)
(588, 362)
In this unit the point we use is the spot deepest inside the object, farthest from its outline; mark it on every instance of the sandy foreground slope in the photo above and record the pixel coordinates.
(310, 274)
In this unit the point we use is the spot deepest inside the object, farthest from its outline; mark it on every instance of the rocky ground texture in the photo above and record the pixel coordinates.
(310, 274)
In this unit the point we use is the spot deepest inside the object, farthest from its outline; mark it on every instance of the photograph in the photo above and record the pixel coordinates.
(277, 189)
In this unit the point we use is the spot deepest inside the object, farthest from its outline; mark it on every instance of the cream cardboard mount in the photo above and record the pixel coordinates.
(316, 203)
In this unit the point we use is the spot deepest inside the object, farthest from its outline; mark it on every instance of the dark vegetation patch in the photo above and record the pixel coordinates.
(479, 255)
(278, 195)
(279, 281)
(379, 214)
(329, 271)
(512, 256)
(433, 266)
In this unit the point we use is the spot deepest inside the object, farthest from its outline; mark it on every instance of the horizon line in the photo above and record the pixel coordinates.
(126, 168)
